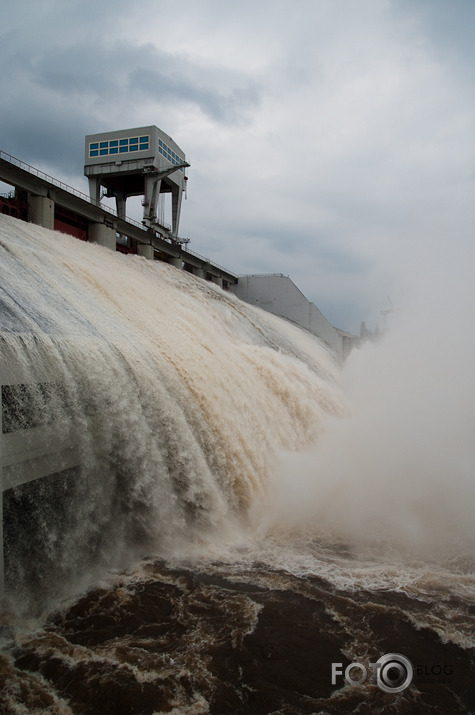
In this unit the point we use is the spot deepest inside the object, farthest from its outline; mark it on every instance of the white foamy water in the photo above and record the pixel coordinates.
(203, 419)
(179, 394)
(228, 467)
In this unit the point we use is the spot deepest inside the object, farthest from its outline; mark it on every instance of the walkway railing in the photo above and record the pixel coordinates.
(70, 189)
(260, 275)
(51, 180)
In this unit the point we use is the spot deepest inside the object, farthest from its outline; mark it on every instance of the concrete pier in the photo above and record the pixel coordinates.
(41, 211)
(175, 261)
(102, 234)
(145, 250)
(30, 454)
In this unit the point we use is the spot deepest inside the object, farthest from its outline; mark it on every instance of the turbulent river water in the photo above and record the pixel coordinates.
(246, 519)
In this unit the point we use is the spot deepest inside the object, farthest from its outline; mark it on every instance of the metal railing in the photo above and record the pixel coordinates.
(70, 189)
(261, 275)
(50, 179)
(211, 263)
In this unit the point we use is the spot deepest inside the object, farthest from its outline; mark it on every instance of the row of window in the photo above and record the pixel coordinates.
(166, 152)
(122, 146)
(119, 146)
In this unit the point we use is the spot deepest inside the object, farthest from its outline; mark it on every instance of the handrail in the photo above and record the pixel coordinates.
(56, 182)
(70, 189)
(211, 263)
(261, 275)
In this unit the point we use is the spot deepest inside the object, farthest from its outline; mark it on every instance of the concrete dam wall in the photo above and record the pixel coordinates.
(278, 294)
(142, 405)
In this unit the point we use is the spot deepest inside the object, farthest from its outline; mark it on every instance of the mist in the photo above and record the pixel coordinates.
(398, 471)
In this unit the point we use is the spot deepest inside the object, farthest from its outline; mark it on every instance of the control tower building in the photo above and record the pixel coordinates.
(137, 162)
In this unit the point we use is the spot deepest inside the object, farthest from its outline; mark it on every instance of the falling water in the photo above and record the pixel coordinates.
(233, 520)
(178, 394)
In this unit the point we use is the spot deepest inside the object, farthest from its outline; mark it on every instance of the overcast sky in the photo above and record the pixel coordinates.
(329, 140)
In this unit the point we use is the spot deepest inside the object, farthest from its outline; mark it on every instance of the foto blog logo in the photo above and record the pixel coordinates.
(392, 673)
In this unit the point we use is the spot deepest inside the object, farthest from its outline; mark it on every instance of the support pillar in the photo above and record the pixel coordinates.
(145, 249)
(152, 185)
(41, 211)
(199, 272)
(177, 193)
(95, 189)
(121, 204)
(217, 280)
(173, 261)
(102, 234)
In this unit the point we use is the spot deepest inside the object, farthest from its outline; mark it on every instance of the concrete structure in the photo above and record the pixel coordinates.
(31, 445)
(102, 234)
(143, 161)
(133, 162)
(41, 211)
(145, 250)
(50, 203)
(278, 294)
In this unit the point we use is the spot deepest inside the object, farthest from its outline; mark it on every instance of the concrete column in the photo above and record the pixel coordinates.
(177, 193)
(121, 204)
(102, 234)
(217, 280)
(41, 211)
(144, 249)
(199, 272)
(151, 194)
(177, 262)
(95, 189)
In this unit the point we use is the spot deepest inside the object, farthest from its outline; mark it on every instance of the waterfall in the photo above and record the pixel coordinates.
(158, 400)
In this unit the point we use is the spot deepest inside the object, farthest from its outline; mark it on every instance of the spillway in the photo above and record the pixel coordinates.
(142, 407)
(190, 527)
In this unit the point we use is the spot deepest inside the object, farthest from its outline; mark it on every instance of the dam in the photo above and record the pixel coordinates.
(146, 162)
(151, 399)
(73, 316)
(45, 201)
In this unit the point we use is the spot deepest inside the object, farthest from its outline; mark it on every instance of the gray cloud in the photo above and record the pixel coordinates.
(331, 141)
(133, 72)
(223, 106)
(57, 94)
(447, 25)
